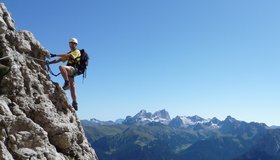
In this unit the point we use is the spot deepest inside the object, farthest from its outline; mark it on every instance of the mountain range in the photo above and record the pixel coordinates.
(148, 136)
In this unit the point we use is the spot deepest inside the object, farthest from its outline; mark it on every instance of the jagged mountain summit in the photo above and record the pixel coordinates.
(144, 117)
(184, 121)
(34, 120)
(95, 121)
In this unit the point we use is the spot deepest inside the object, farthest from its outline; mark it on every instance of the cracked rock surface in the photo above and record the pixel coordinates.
(35, 119)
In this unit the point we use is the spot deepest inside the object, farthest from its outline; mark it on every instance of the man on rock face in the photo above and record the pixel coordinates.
(68, 72)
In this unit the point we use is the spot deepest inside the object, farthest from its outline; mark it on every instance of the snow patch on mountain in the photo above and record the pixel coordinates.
(144, 117)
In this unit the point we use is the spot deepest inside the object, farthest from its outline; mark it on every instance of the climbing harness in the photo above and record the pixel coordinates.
(49, 69)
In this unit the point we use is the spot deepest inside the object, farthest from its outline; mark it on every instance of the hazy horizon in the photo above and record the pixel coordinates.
(171, 117)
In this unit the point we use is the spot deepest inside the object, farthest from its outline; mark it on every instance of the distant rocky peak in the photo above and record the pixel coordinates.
(177, 122)
(143, 114)
(215, 120)
(143, 111)
(196, 118)
(94, 120)
(144, 117)
(230, 119)
(162, 114)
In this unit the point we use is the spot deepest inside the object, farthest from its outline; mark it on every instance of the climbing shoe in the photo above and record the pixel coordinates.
(75, 105)
(66, 85)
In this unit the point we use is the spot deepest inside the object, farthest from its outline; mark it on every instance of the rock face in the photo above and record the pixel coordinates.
(35, 119)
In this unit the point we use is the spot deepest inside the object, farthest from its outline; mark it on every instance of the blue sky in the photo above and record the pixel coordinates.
(197, 57)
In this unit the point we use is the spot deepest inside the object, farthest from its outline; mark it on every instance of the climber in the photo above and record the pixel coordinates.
(4, 70)
(68, 72)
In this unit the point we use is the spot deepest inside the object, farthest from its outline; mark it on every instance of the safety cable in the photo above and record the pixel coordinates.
(35, 58)
(5, 57)
(47, 64)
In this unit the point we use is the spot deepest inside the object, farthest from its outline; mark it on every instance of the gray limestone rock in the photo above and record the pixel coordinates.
(3, 26)
(36, 121)
(5, 14)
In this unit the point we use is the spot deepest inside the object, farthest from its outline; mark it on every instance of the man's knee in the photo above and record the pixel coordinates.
(61, 68)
